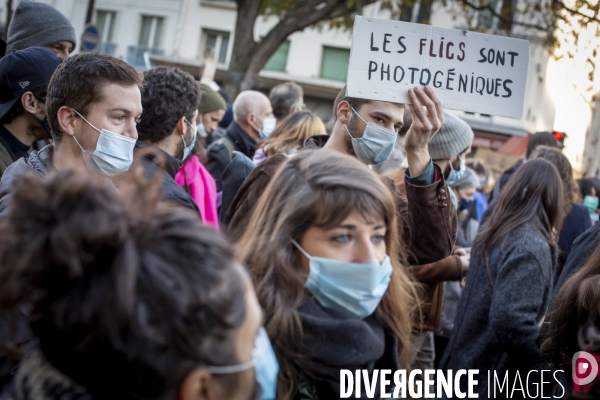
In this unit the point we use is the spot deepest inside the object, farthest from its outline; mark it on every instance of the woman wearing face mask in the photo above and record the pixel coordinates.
(589, 194)
(289, 137)
(574, 325)
(324, 257)
(140, 301)
(509, 284)
(449, 149)
(468, 224)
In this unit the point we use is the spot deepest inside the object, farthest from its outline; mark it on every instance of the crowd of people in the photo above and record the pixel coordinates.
(160, 241)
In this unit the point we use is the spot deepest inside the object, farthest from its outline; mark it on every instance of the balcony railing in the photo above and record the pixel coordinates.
(135, 55)
(107, 48)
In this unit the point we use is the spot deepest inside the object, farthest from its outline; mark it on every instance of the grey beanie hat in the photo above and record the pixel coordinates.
(469, 179)
(38, 24)
(453, 138)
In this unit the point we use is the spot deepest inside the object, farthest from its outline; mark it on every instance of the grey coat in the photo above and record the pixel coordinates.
(496, 327)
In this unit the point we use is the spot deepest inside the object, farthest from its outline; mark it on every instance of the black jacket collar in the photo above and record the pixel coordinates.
(172, 165)
(242, 141)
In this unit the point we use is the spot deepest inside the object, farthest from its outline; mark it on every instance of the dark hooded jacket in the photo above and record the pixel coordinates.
(219, 156)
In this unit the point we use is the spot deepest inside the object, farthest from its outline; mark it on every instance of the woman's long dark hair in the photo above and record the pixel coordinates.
(534, 194)
(577, 301)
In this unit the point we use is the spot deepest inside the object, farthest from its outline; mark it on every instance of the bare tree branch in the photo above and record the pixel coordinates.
(303, 15)
(503, 18)
(575, 12)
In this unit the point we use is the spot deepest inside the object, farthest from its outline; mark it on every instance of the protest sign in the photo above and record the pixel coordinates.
(469, 71)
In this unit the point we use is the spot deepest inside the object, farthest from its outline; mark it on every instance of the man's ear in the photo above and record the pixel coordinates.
(250, 119)
(180, 126)
(196, 385)
(344, 112)
(29, 102)
(67, 120)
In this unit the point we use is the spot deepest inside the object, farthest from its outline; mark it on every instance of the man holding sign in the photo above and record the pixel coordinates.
(470, 71)
(367, 129)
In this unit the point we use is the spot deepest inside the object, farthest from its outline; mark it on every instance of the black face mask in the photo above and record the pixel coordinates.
(44, 123)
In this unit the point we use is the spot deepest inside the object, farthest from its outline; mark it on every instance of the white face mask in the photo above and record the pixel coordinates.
(201, 130)
(268, 127)
(113, 153)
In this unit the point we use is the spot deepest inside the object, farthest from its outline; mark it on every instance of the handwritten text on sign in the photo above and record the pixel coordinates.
(469, 71)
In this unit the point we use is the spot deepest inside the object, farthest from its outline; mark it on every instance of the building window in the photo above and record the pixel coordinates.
(215, 45)
(105, 22)
(151, 32)
(149, 43)
(278, 60)
(335, 63)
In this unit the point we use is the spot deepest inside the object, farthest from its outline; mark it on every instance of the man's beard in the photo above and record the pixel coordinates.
(354, 131)
(182, 146)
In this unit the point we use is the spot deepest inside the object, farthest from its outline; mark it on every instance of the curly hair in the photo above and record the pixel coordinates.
(168, 94)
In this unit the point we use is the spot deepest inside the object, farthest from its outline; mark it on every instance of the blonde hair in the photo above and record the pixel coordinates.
(319, 188)
(292, 133)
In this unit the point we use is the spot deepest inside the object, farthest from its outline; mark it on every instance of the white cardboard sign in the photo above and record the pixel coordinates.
(469, 71)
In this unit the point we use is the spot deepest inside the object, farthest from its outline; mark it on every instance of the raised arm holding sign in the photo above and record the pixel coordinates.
(469, 71)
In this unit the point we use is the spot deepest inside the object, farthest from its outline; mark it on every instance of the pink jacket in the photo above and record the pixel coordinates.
(201, 186)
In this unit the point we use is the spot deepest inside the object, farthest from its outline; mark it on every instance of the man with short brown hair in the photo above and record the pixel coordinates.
(93, 105)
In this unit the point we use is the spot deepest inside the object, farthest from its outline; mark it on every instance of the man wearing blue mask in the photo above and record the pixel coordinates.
(253, 121)
(93, 106)
(169, 100)
(367, 129)
(449, 149)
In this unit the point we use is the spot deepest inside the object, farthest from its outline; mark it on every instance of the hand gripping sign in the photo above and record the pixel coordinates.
(469, 71)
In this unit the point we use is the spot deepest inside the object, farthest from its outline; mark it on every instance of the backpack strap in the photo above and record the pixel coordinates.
(225, 141)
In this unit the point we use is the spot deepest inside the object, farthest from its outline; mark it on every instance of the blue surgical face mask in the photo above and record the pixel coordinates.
(455, 175)
(591, 202)
(187, 150)
(201, 130)
(265, 365)
(113, 153)
(268, 127)
(376, 144)
(353, 289)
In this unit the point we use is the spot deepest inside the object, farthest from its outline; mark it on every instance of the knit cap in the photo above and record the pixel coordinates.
(454, 137)
(210, 100)
(469, 179)
(38, 24)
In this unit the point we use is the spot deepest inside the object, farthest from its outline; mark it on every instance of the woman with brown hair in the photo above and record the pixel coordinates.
(324, 255)
(289, 137)
(509, 284)
(574, 324)
(576, 216)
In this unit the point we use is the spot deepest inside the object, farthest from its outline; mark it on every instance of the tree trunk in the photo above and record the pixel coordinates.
(243, 45)
(249, 57)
